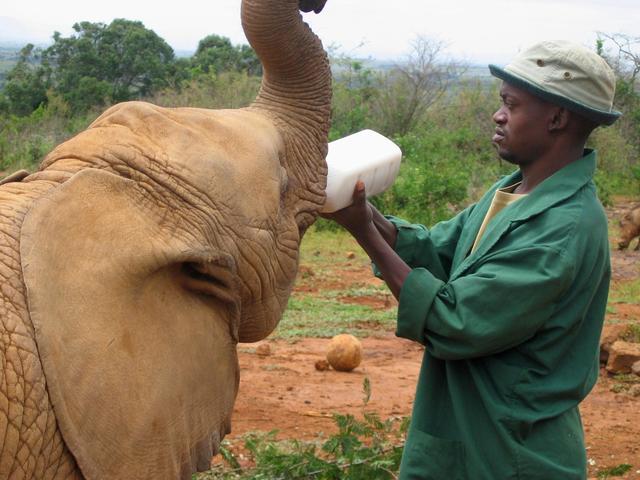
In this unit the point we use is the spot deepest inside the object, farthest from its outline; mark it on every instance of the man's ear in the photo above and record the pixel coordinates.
(559, 119)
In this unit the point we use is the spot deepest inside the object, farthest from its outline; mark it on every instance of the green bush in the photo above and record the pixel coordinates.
(361, 450)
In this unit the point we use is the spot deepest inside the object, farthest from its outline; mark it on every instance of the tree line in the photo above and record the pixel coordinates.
(103, 64)
(439, 115)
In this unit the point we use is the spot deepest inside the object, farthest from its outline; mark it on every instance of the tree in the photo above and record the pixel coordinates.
(26, 88)
(624, 58)
(410, 88)
(102, 64)
(217, 54)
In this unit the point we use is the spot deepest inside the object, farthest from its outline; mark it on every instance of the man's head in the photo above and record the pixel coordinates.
(552, 91)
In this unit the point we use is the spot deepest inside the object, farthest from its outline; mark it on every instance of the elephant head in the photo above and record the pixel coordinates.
(162, 237)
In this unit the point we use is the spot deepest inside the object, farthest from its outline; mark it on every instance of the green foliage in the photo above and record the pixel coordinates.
(360, 450)
(442, 169)
(211, 90)
(618, 163)
(625, 292)
(121, 61)
(353, 95)
(26, 88)
(633, 335)
(326, 316)
(617, 471)
(448, 157)
(216, 54)
(9, 56)
(97, 65)
(24, 141)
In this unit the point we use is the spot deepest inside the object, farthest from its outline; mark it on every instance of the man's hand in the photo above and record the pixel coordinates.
(376, 235)
(357, 216)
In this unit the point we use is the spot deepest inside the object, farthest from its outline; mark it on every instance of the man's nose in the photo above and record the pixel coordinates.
(499, 116)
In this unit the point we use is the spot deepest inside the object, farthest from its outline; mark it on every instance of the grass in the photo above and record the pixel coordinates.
(617, 471)
(625, 292)
(308, 316)
(633, 334)
(325, 258)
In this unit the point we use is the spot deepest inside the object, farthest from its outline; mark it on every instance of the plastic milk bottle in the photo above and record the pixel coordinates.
(366, 156)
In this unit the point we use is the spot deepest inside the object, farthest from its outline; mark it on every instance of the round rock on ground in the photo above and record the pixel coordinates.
(344, 352)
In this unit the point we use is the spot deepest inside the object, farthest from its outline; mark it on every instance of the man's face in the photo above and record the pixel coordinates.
(522, 126)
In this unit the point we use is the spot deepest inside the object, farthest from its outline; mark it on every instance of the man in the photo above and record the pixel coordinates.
(509, 296)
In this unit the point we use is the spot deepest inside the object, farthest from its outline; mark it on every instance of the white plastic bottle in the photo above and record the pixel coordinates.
(366, 156)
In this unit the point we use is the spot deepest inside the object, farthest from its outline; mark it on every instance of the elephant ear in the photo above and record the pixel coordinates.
(139, 353)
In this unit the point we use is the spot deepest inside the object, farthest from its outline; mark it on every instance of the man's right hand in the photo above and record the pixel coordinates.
(357, 216)
(376, 235)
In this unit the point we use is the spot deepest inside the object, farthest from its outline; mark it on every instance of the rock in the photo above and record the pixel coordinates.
(630, 228)
(264, 350)
(610, 334)
(322, 365)
(635, 368)
(634, 391)
(344, 352)
(351, 255)
(622, 355)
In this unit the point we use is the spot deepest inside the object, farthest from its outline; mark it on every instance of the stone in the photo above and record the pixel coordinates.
(610, 334)
(622, 356)
(322, 365)
(635, 368)
(264, 350)
(344, 352)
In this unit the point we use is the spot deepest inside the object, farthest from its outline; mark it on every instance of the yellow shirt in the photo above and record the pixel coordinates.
(501, 199)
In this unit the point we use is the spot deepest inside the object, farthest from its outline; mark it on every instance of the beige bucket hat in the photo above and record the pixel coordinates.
(566, 74)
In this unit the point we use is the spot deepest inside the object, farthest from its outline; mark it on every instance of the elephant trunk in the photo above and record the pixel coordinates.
(296, 92)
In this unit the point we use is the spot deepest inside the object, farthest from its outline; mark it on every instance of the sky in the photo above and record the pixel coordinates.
(474, 31)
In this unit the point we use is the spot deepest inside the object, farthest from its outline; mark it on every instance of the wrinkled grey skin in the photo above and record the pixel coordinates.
(295, 101)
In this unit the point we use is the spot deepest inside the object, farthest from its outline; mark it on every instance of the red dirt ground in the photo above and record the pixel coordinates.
(283, 391)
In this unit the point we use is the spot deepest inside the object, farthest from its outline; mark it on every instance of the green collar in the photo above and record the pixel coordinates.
(556, 188)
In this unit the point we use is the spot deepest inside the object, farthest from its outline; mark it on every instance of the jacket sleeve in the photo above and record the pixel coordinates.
(498, 305)
(433, 248)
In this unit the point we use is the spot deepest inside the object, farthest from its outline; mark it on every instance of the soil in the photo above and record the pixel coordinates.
(280, 388)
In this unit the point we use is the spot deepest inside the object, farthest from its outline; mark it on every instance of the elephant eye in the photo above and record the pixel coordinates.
(210, 279)
(284, 181)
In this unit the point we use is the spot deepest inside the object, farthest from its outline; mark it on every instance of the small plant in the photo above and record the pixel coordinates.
(624, 382)
(632, 334)
(360, 450)
(617, 471)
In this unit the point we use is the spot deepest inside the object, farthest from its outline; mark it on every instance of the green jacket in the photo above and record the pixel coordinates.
(511, 332)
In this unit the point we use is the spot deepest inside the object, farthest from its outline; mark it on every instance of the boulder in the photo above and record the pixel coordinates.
(610, 334)
(635, 368)
(344, 352)
(622, 356)
(263, 350)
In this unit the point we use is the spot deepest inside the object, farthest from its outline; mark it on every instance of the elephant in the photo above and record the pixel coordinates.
(140, 253)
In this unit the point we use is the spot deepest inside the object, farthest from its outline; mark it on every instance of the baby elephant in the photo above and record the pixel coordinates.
(630, 228)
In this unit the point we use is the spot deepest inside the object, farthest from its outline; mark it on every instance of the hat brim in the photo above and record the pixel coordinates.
(600, 116)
